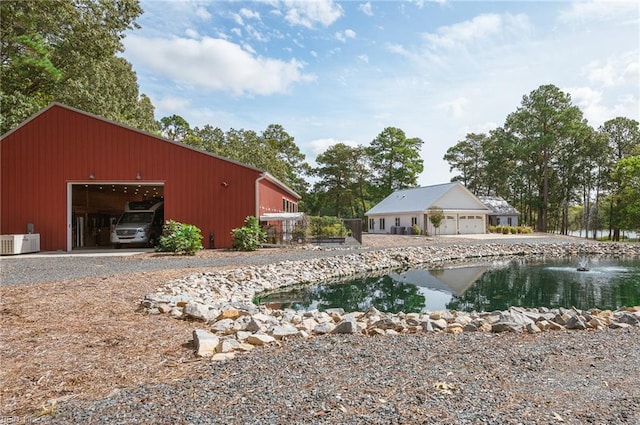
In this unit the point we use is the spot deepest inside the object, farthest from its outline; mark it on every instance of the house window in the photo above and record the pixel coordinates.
(414, 221)
(397, 221)
(372, 224)
(498, 221)
(382, 224)
(509, 221)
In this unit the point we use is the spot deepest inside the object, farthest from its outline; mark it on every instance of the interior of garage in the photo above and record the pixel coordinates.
(96, 207)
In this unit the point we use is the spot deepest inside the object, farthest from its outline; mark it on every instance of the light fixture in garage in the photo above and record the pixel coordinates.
(92, 176)
(224, 184)
(138, 176)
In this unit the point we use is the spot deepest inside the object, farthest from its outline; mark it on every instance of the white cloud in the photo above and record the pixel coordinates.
(238, 19)
(343, 35)
(589, 11)
(203, 13)
(456, 107)
(366, 8)
(363, 58)
(191, 33)
(170, 103)
(318, 146)
(215, 64)
(247, 13)
(615, 70)
(597, 109)
(308, 13)
(478, 28)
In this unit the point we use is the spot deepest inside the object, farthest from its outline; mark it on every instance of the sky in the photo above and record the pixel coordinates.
(342, 71)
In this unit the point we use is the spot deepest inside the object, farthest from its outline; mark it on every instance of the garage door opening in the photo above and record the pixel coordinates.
(94, 208)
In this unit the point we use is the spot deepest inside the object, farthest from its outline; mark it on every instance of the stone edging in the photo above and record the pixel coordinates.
(222, 299)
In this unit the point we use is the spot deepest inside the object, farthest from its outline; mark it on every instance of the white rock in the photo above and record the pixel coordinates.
(221, 357)
(205, 342)
(224, 326)
(324, 328)
(260, 339)
(347, 326)
(227, 345)
(287, 331)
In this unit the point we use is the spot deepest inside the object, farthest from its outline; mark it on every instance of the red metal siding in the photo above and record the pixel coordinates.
(271, 196)
(62, 145)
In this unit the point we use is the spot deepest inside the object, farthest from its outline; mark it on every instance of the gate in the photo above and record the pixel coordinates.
(355, 225)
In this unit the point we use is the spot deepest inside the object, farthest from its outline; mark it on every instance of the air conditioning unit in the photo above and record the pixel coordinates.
(19, 244)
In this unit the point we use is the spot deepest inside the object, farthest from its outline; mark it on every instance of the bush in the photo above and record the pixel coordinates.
(184, 239)
(328, 227)
(415, 229)
(250, 237)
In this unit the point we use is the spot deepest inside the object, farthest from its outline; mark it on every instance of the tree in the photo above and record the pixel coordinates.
(545, 119)
(395, 161)
(175, 128)
(66, 51)
(295, 168)
(627, 198)
(622, 136)
(468, 157)
(436, 215)
(338, 180)
(210, 139)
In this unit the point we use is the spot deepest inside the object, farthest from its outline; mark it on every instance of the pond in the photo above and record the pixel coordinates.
(607, 284)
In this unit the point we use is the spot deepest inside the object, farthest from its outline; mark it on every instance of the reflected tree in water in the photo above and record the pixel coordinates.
(383, 293)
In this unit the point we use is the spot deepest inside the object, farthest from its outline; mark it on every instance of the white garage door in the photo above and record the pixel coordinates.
(448, 226)
(471, 224)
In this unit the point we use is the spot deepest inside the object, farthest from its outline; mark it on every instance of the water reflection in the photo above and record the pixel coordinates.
(609, 284)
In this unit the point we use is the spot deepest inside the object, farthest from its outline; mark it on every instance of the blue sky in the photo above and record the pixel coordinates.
(330, 71)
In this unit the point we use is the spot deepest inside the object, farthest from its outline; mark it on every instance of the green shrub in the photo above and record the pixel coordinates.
(184, 239)
(492, 229)
(327, 227)
(250, 237)
(415, 229)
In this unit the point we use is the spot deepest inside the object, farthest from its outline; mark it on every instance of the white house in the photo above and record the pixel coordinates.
(463, 212)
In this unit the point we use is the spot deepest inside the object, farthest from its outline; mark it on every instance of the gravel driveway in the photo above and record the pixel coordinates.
(551, 378)
(57, 266)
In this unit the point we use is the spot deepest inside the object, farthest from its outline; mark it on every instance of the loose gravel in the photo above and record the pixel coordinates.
(575, 377)
(563, 377)
(55, 267)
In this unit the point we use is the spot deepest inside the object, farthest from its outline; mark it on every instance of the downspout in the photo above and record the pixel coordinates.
(258, 180)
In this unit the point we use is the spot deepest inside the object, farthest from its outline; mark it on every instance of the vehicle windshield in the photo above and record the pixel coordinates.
(136, 217)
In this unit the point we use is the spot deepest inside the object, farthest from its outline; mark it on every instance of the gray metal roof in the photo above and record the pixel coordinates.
(411, 200)
(498, 205)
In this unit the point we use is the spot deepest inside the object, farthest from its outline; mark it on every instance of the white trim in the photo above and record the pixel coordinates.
(257, 191)
(69, 216)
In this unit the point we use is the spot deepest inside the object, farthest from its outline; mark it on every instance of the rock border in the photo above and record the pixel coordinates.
(222, 299)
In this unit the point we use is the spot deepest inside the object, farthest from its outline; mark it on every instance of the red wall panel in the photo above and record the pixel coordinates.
(62, 145)
(271, 196)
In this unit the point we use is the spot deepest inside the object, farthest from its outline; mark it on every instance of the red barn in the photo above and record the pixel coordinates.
(67, 174)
